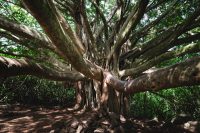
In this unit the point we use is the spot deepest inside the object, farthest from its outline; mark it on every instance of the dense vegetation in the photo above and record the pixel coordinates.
(165, 104)
(31, 90)
(111, 58)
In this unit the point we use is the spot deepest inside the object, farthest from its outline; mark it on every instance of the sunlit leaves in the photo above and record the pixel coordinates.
(16, 13)
(167, 103)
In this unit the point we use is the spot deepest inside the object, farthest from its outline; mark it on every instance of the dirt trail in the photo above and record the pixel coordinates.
(17, 118)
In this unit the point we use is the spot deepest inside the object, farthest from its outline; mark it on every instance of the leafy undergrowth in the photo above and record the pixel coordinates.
(23, 118)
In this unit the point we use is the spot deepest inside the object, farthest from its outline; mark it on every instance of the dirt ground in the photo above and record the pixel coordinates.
(18, 118)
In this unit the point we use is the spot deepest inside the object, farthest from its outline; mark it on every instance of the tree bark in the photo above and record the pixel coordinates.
(131, 43)
(186, 73)
(14, 67)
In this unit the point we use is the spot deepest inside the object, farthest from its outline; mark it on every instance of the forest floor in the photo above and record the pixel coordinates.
(18, 118)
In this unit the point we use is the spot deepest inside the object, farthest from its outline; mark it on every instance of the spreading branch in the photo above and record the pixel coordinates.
(62, 36)
(14, 67)
(186, 73)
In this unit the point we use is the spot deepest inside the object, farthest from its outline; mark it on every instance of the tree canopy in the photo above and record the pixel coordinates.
(123, 44)
(104, 51)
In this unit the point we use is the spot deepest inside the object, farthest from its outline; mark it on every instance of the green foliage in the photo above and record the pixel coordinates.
(177, 60)
(164, 104)
(167, 103)
(31, 90)
(18, 14)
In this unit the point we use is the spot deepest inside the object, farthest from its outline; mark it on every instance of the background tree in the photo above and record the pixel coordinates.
(108, 49)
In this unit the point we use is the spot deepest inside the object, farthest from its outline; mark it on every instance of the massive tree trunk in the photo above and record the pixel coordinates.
(111, 93)
(106, 57)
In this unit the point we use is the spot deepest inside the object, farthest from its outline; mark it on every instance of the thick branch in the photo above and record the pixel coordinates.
(14, 67)
(165, 41)
(183, 74)
(191, 48)
(148, 46)
(102, 17)
(187, 39)
(11, 37)
(186, 73)
(130, 23)
(144, 30)
(24, 31)
(61, 35)
(153, 6)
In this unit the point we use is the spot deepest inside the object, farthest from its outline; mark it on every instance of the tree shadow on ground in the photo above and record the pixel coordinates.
(22, 118)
